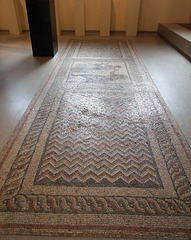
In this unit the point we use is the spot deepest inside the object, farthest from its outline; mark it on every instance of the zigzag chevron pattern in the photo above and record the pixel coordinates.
(99, 139)
(176, 171)
(98, 145)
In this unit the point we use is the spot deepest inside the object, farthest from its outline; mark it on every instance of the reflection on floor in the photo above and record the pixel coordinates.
(21, 75)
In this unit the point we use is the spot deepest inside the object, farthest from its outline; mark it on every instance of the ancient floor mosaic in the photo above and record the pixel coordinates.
(97, 154)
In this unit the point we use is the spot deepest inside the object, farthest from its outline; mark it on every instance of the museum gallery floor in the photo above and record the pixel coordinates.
(97, 154)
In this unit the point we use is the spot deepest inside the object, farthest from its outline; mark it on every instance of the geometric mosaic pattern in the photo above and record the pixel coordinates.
(97, 148)
(98, 144)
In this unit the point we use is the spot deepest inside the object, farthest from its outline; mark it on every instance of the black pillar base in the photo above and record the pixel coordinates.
(42, 23)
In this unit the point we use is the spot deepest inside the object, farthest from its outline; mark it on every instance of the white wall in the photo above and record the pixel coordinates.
(23, 15)
(4, 21)
(152, 12)
(118, 15)
(66, 14)
(92, 14)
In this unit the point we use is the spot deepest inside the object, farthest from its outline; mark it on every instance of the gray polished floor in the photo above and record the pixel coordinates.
(21, 75)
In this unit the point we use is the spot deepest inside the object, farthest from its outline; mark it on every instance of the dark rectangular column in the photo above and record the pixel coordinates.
(42, 24)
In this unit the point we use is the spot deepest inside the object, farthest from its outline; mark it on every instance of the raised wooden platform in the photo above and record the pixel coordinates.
(178, 35)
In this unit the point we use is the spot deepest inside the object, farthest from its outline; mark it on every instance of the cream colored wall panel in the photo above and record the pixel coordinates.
(4, 23)
(92, 14)
(12, 8)
(118, 15)
(153, 12)
(66, 12)
(132, 17)
(79, 18)
(23, 15)
(105, 17)
(57, 18)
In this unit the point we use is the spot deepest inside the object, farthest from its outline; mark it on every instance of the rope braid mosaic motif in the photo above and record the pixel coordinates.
(100, 126)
